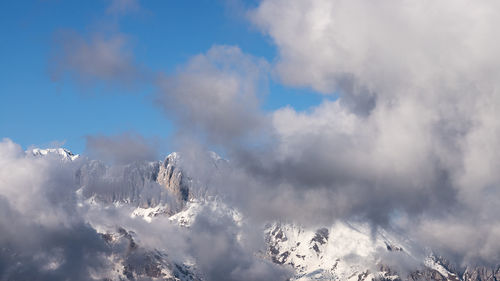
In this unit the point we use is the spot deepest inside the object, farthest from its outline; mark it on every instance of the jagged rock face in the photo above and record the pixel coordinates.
(133, 184)
(482, 273)
(132, 262)
(172, 178)
(427, 274)
(141, 184)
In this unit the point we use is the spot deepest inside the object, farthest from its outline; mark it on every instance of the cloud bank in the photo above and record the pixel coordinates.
(413, 129)
(43, 236)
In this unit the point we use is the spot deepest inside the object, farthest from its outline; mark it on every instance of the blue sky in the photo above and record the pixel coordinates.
(164, 34)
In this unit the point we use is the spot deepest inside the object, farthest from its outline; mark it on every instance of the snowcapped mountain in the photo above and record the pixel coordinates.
(143, 184)
(160, 191)
(58, 152)
(348, 251)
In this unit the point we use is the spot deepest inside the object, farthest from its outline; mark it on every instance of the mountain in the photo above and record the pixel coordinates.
(161, 191)
(58, 152)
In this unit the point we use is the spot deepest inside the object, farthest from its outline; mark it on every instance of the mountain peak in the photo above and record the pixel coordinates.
(61, 152)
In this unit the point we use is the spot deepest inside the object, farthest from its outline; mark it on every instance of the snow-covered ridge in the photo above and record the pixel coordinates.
(342, 251)
(61, 152)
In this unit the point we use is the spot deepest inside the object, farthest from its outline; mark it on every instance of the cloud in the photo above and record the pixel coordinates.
(384, 45)
(122, 7)
(413, 129)
(101, 58)
(121, 149)
(90, 61)
(215, 243)
(43, 236)
(215, 95)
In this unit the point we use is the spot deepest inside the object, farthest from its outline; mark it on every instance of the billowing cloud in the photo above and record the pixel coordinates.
(214, 242)
(388, 45)
(413, 129)
(43, 236)
(216, 94)
(102, 57)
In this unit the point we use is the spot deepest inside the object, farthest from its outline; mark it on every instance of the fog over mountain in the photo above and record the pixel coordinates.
(393, 176)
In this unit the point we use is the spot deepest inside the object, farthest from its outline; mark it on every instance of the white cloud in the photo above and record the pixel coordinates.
(415, 126)
(216, 94)
(386, 45)
(92, 61)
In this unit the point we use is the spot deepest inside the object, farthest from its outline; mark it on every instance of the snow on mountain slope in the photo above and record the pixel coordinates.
(61, 152)
(193, 208)
(149, 213)
(339, 252)
(436, 265)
